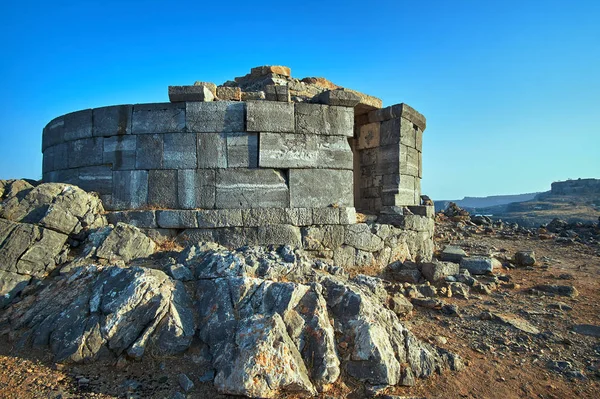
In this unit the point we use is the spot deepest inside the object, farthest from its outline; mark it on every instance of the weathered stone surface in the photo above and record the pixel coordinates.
(400, 305)
(212, 150)
(77, 125)
(190, 93)
(341, 98)
(329, 215)
(437, 271)
(196, 188)
(360, 237)
(179, 151)
(210, 85)
(270, 116)
(307, 188)
(141, 219)
(562, 290)
(11, 284)
(176, 219)
(587, 329)
(253, 95)
(53, 133)
(242, 150)
(130, 189)
(125, 242)
(277, 93)
(56, 158)
(262, 216)
(251, 188)
(162, 188)
(149, 151)
(269, 69)
(85, 152)
(158, 118)
(347, 215)
(279, 234)
(60, 207)
(111, 121)
(478, 264)
(279, 150)
(229, 93)
(323, 237)
(211, 218)
(107, 310)
(407, 112)
(216, 117)
(324, 119)
(452, 254)
(368, 136)
(525, 258)
(119, 152)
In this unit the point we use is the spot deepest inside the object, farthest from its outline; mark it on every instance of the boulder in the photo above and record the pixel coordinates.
(479, 264)
(125, 242)
(437, 271)
(524, 258)
(452, 254)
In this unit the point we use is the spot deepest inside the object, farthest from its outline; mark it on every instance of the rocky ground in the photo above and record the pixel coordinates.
(112, 317)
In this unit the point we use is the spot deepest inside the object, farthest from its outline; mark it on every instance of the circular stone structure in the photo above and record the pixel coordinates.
(252, 172)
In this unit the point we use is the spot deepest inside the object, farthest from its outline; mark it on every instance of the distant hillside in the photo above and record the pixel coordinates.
(484, 202)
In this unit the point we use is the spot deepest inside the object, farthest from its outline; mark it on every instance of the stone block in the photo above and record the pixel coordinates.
(409, 161)
(453, 254)
(53, 133)
(176, 219)
(419, 140)
(235, 237)
(194, 236)
(269, 116)
(263, 216)
(226, 93)
(423, 210)
(158, 118)
(216, 117)
(368, 136)
(251, 188)
(149, 151)
(145, 219)
(304, 216)
(479, 264)
(407, 112)
(179, 150)
(190, 93)
(162, 189)
(344, 256)
(340, 98)
(95, 178)
(196, 188)
(420, 164)
(212, 150)
(242, 150)
(390, 132)
(120, 152)
(323, 237)
(85, 152)
(360, 237)
(112, 121)
(417, 190)
(347, 215)
(369, 157)
(270, 69)
(212, 218)
(130, 189)
(324, 119)
(209, 85)
(364, 258)
(253, 95)
(56, 157)
(277, 93)
(317, 188)
(281, 150)
(380, 115)
(280, 234)
(329, 215)
(437, 271)
(77, 125)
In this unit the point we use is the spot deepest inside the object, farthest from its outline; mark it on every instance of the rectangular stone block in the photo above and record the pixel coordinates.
(53, 133)
(262, 216)
(179, 150)
(216, 117)
(406, 111)
(279, 93)
(162, 188)
(324, 119)
(420, 165)
(56, 157)
(112, 121)
(130, 189)
(368, 136)
(423, 210)
(279, 234)
(242, 150)
(409, 161)
(270, 116)
(316, 188)
(158, 118)
(368, 156)
(95, 178)
(176, 219)
(145, 219)
(347, 215)
(78, 125)
(212, 150)
(196, 188)
(329, 215)
(190, 93)
(390, 132)
(251, 188)
(280, 150)
(417, 191)
(214, 218)
(419, 140)
(85, 152)
(305, 216)
(229, 93)
(380, 115)
(408, 133)
(149, 151)
(120, 152)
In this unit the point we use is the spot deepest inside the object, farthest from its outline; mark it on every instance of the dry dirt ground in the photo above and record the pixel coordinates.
(502, 361)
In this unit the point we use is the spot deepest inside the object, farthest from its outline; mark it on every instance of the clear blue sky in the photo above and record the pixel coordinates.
(510, 89)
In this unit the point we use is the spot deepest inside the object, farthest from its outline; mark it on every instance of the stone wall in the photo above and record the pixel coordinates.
(389, 161)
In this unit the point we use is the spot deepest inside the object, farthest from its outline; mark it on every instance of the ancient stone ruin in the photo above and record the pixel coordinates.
(265, 159)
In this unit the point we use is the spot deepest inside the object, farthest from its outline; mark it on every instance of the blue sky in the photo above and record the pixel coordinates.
(510, 89)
